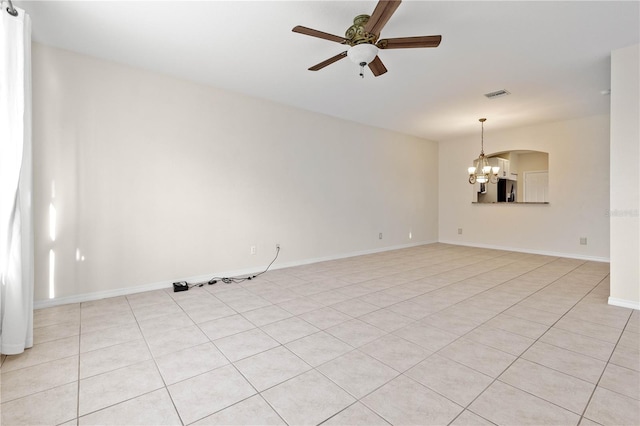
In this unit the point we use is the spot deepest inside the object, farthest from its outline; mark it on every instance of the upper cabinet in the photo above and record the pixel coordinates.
(505, 167)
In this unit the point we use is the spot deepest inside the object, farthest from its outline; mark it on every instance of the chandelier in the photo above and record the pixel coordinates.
(481, 171)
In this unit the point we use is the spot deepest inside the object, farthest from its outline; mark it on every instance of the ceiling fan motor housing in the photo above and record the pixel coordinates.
(356, 34)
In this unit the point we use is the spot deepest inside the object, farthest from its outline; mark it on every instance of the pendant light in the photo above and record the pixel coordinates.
(481, 171)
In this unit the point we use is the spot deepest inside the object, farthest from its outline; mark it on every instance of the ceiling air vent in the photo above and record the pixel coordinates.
(497, 94)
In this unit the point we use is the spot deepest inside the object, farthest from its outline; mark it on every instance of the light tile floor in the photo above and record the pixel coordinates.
(431, 335)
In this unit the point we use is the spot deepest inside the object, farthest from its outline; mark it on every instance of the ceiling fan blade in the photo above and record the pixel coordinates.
(315, 33)
(381, 14)
(409, 42)
(328, 61)
(377, 67)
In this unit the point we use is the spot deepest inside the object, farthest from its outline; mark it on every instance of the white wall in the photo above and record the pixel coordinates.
(158, 179)
(625, 177)
(578, 190)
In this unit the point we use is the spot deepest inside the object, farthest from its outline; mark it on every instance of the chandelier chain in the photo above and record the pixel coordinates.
(482, 120)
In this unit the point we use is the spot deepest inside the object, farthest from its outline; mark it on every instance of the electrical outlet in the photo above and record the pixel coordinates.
(583, 241)
(459, 231)
(380, 236)
(254, 249)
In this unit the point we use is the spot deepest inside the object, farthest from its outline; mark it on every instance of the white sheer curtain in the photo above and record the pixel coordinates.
(16, 224)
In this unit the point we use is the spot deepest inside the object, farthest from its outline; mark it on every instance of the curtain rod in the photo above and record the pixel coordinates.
(11, 10)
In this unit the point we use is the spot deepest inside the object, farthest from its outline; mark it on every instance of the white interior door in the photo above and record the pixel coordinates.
(536, 187)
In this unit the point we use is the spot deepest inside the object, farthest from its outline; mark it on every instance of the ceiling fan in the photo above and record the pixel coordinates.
(362, 37)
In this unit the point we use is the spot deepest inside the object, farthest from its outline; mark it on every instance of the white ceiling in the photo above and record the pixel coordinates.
(554, 57)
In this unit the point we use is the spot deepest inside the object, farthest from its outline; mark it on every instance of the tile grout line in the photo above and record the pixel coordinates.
(258, 393)
(603, 371)
(79, 363)
(443, 260)
(105, 372)
(403, 373)
(315, 368)
(155, 363)
(534, 342)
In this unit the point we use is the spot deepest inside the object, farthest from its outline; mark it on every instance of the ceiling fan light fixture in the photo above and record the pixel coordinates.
(364, 52)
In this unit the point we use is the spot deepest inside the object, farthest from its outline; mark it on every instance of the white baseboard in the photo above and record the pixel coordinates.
(351, 254)
(631, 304)
(521, 250)
(86, 297)
(97, 295)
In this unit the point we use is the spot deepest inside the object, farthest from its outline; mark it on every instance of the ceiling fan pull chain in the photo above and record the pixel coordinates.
(362, 64)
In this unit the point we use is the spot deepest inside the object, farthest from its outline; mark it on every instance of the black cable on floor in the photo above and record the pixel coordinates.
(231, 280)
